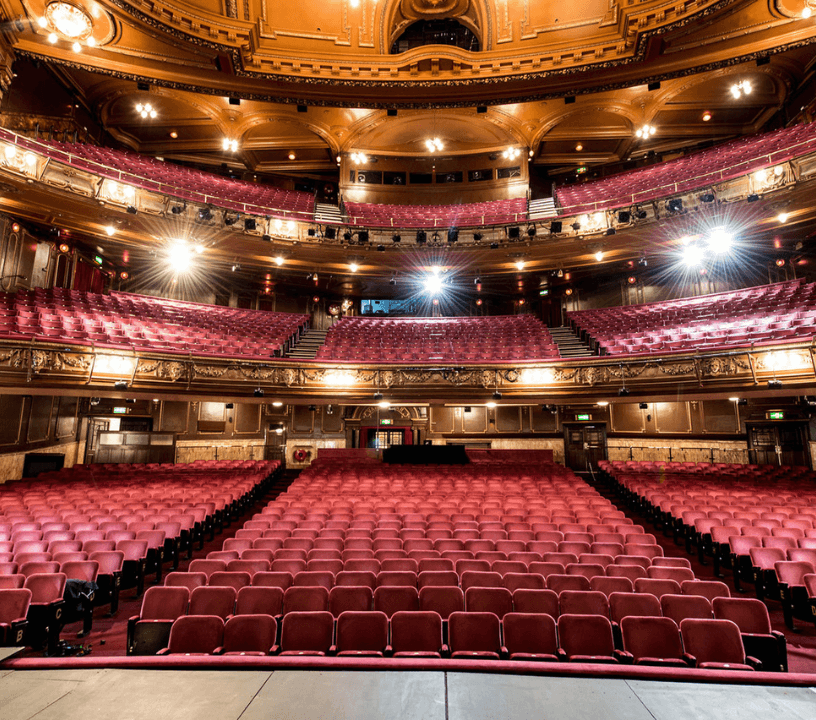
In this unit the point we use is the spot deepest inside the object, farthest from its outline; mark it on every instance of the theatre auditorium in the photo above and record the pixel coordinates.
(435, 359)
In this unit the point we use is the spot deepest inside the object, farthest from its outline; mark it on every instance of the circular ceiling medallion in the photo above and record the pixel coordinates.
(68, 20)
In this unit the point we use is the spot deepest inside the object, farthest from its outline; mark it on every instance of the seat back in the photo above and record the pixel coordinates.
(642, 604)
(680, 607)
(259, 601)
(651, 637)
(307, 632)
(416, 632)
(250, 633)
(442, 600)
(208, 600)
(715, 641)
(45, 587)
(474, 632)
(586, 636)
(350, 597)
(199, 634)
(362, 631)
(749, 614)
(530, 634)
(164, 603)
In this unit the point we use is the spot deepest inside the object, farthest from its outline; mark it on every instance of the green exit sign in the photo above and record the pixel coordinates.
(584, 416)
(387, 421)
(120, 411)
(776, 415)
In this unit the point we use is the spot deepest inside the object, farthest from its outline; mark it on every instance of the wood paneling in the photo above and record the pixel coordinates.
(442, 419)
(627, 417)
(247, 418)
(542, 421)
(671, 418)
(212, 411)
(719, 416)
(11, 410)
(508, 419)
(67, 417)
(174, 416)
(332, 423)
(475, 421)
(39, 419)
(302, 419)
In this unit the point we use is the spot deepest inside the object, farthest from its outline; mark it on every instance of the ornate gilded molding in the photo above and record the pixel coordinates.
(38, 364)
(537, 90)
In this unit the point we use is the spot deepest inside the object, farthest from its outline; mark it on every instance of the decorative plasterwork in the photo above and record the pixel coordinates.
(379, 80)
(33, 365)
(620, 42)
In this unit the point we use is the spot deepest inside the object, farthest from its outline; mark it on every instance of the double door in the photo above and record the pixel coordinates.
(584, 445)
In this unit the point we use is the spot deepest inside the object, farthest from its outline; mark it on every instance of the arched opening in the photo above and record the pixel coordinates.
(436, 32)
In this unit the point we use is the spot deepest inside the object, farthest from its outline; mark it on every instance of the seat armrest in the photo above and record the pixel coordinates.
(444, 651)
(274, 650)
(753, 662)
(388, 652)
(624, 657)
(332, 650)
(690, 660)
(218, 651)
(164, 651)
(503, 654)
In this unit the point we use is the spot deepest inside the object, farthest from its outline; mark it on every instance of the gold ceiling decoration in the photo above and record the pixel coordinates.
(433, 9)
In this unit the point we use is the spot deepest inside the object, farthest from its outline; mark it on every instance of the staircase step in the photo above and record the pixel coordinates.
(569, 344)
(542, 208)
(307, 346)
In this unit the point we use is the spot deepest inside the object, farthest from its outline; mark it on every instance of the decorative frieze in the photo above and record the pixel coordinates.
(24, 364)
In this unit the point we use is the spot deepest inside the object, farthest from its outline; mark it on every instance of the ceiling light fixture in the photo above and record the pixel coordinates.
(706, 116)
(783, 217)
(646, 131)
(110, 230)
(520, 265)
(579, 147)
(146, 110)
(599, 256)
(511, 153)
(231, 145)
(434, 145)
(354, 267)
(743, 87)
(359, 158)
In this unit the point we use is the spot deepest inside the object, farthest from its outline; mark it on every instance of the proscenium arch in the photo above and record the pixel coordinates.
(391, 26)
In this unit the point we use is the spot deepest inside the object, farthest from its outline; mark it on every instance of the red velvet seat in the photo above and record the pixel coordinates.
(475, 635)
(530, 636)
(195, 635)
(307, 633)
(250, 634)
(417, 634)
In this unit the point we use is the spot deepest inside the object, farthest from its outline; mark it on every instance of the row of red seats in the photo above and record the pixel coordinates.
(764, 538)
(772, 313)
(577, 637)
(149, 173)
(697, 170)
(68, 526)
(493, 212)
(518, 337)
(146, 323)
